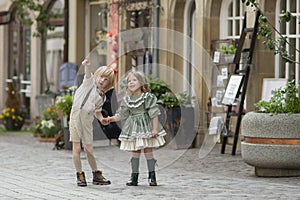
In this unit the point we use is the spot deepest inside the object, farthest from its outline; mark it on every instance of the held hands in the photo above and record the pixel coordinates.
(105, 121)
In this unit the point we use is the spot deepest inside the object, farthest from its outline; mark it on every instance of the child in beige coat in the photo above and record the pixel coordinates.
(87, 101)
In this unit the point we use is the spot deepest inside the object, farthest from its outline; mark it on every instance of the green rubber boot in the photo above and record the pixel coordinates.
(133, 180)
(151, 169)
(135, 162)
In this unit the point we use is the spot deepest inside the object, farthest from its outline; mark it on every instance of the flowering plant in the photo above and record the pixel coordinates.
(48, 125)
(9, 115)
(64, 104)
(48, 128)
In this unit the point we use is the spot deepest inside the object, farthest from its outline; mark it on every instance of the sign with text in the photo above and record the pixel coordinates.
(232, 89)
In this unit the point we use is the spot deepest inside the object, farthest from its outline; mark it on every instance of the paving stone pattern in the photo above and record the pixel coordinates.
(30, 169)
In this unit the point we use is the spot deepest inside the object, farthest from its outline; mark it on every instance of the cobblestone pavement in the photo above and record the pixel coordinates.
(30, 169)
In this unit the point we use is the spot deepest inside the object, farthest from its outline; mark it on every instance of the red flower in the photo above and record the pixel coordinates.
(116, 37)
(109, 34)
(116, 70)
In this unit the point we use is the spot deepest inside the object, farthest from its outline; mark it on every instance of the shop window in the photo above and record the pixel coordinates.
(98, 28)
(137, 19)
(231, 19)
(189, 73)
(291, 32)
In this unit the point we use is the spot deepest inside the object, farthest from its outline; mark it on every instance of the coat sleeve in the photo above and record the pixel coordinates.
(123, 110)
(114, 102)
(151, 105)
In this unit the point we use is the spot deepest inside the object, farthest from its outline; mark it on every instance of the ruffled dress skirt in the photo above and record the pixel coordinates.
(137, 133)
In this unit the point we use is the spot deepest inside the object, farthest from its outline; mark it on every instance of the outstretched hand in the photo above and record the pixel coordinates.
(86, 62)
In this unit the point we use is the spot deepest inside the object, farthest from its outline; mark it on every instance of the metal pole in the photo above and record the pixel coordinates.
(66, 31)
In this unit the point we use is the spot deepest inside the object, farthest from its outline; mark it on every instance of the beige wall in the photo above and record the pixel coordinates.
(263, 61)
(76, 31)
(4, 6)
(173, 19)
(3, 64)
(36, 72)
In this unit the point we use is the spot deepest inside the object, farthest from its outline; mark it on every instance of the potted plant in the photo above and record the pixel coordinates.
(48, 125)
(180, 118)
(272, 137)
(228, 53)
(64, 105)
(177, 112)
(12, 116)
(158, 87)
(227, 50)
(12, 120)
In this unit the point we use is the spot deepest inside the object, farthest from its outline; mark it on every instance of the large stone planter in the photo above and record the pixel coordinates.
(180, 127)
(272, 143)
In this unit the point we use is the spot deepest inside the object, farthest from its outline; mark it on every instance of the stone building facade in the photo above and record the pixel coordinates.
(180, 35)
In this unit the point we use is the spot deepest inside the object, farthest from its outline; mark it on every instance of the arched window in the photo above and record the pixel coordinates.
(231, 19)
(55, 45)
(19, 50)
(189, 45)
(291, 31)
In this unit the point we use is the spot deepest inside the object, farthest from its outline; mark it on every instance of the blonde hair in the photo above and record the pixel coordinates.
(107, 72)
(141, 78)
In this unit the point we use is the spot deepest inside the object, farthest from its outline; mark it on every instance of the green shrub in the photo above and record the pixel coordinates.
(284, 100)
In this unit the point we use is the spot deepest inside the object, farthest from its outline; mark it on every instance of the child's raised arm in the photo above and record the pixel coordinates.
(87, 68)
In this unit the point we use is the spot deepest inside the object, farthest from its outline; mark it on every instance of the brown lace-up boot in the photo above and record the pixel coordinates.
(98, 178)
(81, 179)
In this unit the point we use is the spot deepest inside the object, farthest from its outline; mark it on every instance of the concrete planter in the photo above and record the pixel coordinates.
(68, 144)
(272, 143)
(228, 58)
(180, 123)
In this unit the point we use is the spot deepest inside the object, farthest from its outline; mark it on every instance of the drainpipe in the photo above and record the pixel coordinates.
(66, 31)
(155, 37)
